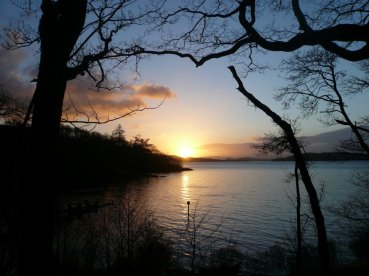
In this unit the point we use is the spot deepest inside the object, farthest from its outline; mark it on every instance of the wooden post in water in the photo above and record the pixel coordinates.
(188, 211)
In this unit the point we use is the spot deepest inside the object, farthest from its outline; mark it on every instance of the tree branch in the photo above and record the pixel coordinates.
(97, 121)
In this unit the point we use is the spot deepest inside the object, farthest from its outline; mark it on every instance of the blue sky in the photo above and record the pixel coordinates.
(206, 109)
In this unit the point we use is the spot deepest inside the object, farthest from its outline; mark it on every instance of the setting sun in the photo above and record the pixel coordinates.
(186, 151)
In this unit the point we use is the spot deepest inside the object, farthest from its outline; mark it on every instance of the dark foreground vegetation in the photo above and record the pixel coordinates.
(124, 238)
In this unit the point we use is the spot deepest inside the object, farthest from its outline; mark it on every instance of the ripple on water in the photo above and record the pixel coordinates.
(251, 200)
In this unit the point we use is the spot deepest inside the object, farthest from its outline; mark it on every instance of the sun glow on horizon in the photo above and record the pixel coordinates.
(186, 151)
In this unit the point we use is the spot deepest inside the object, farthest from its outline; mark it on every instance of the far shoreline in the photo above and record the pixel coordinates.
(310, 156)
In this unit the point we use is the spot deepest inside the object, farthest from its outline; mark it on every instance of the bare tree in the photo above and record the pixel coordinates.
(216, 29)
(212, 29)
(11, 110)
(302, 167)
(73, 37)
(278, 143)
(121, 237)
(316, 84)
(196, 241)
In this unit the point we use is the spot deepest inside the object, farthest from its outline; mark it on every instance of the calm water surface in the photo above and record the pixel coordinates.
(251, 201)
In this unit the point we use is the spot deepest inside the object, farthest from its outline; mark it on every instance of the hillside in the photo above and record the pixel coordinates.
(327, 156)
(89, 158)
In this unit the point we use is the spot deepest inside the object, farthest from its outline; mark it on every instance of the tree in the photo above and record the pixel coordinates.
(278, 143)
(315, 81)
(76, 37)
(317, 84)
(302, 168)
(11, 110)
(143, 144)
(216, 29)
(118, 134)
(213, 29)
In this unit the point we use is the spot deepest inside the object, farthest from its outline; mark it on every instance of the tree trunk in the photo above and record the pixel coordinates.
(39, 181)
(323, 249)
(301, 164)
(298, 224)
(60, 26)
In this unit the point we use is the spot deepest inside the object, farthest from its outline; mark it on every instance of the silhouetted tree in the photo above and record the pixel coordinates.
(316, 84)
(278, 143)
(302, 167)
(217, 29)
(76, 37)
(118, 135)
(11, 110)
(143, 144)
(213, 29)
(121, 238)
(354, 144)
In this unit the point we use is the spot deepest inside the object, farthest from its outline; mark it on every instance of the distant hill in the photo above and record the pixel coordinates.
(199, 159)
(205, 159)
(327, 156)
(327, 141)
(322, 146)
(322, 142)
(311, 156)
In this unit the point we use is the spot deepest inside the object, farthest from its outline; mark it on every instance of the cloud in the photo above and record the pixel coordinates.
(112, 103)
(16, 73)
(14, 76)
(223, 150)
(151, 90)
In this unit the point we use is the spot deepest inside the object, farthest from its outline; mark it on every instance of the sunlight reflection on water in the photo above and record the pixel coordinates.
(252, 201)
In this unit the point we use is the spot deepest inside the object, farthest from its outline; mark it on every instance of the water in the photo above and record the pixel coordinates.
(251, 202)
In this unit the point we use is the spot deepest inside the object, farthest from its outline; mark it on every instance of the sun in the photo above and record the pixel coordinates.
(186, 151)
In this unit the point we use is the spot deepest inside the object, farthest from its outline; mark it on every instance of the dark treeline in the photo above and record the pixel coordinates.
(88, 158)
(94, 156)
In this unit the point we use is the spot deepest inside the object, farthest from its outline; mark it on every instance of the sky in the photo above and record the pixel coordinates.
(203, 113)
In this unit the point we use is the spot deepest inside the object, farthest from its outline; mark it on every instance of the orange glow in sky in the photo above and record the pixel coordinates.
(200, 112)
(186, 151)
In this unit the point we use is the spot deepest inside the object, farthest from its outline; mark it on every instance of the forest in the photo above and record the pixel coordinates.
(115, 157)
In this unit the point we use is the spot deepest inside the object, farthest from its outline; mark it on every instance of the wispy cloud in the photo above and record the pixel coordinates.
(113, 103)
(224, 150)
(151, 90)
